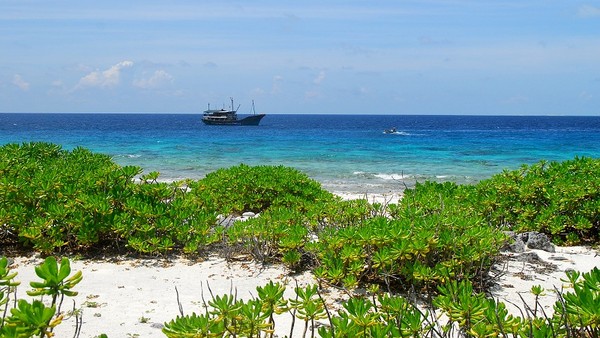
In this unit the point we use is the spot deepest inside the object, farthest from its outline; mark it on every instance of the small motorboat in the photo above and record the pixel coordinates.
(391, 131)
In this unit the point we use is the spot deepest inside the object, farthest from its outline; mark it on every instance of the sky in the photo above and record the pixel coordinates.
(459, 57)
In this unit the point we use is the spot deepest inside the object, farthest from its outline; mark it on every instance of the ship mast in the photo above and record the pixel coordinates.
(234, 109)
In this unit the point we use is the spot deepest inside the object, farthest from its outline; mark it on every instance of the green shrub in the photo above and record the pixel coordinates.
(279, 234)
(162, 217)
(431, 239)
(244, 188)
(288, 234)
(560, 199)
(52, 200)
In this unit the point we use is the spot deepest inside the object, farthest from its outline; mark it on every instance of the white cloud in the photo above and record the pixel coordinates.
(158, 79)
(319, 78)
(20, 82)
(277, 82)
(105, 79)
(587, 11)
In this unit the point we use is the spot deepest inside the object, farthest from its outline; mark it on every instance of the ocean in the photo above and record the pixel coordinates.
(346, 153)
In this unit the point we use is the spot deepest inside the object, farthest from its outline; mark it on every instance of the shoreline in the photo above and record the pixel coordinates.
(384, 198)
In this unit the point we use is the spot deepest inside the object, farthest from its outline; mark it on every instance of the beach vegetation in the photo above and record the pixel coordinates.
(36, 317)
(245, 188)
(56, 280)
(431, 238)
(279, 234)
(575, 312)
(457, 311)
(273, 303)
(560, 199)
(578, 309)
(54, 200)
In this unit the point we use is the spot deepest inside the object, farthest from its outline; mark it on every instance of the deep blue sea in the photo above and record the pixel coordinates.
(346, 153)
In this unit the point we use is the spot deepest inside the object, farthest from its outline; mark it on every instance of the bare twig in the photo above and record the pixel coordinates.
(326, 311)
(78, 321)
(179, 302)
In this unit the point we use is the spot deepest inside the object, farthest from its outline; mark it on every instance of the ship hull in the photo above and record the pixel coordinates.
(252, 120)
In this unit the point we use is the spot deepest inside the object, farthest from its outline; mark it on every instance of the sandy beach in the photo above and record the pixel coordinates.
(519, 272)
(134, 298)
(383, 199)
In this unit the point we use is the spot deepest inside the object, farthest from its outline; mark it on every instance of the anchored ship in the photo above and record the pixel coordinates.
(229, 117)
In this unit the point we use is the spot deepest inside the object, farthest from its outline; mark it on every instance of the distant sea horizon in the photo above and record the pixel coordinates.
(199, 113)
(346, 153)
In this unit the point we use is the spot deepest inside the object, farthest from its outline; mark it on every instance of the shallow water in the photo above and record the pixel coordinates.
(346, 153)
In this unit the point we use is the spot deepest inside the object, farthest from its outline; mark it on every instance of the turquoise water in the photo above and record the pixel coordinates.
(345, 153)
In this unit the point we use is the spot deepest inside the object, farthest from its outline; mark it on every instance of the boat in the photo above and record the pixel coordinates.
(229, 117)
(391, 131)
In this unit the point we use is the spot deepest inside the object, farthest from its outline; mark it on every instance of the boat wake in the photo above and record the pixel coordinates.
(397, 133)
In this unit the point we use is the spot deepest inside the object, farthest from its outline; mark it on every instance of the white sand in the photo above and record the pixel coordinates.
(384, 199)
(519, 276)
(133, 298)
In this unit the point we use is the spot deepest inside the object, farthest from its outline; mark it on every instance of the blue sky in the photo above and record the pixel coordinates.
(507, 57)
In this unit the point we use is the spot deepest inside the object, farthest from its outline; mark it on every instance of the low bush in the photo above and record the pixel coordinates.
(430, 239)
(375, 314)
(227, 316)
(55, 200)
(560, 199)
(52, 199)
(290, 234)
(279, 234)
(244, 188)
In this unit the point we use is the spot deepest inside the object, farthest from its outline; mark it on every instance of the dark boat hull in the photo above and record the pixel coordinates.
(252, 120)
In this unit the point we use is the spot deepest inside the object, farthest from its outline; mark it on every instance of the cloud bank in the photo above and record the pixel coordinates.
(20, 82)
(158, 79)
(104, 79)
